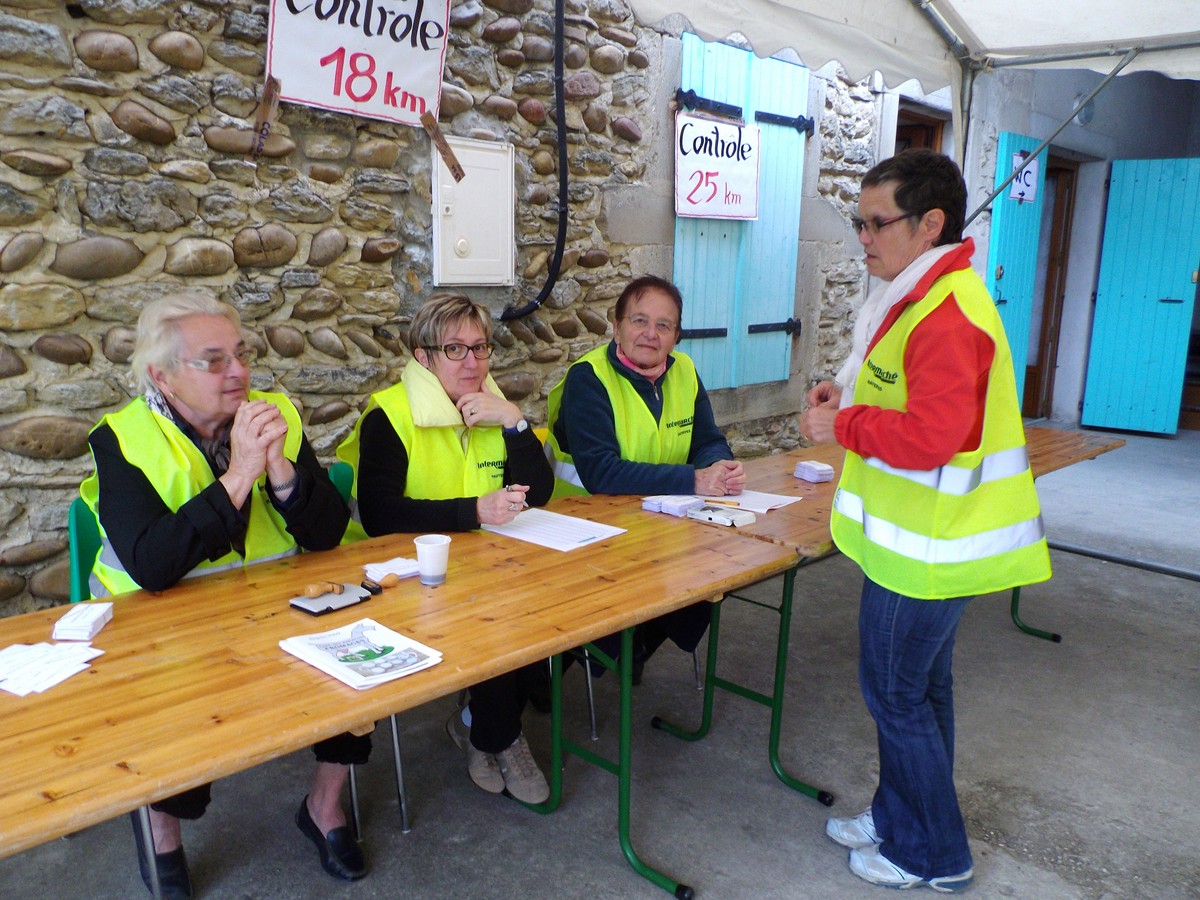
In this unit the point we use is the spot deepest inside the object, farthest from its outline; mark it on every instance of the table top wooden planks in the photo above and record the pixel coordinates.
(193, 686)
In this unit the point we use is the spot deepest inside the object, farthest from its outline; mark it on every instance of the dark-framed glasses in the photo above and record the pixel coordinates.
(875, 225)
(456, 352)
(216, 363)
(662, 326)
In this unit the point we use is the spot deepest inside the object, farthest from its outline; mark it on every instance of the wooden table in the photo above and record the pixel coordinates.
(193, 685)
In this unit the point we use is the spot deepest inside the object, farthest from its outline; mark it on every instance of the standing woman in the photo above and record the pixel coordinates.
(632, 417)
(443, 450)
(936, 503)
(201, 474)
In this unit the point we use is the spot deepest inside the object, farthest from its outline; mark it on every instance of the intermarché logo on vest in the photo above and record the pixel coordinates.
(491, 464)
(681, 423)
(881, 373)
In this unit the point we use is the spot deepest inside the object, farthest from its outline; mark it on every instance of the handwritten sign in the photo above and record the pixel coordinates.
(376, 58)
(716, 168)
(1024, 187)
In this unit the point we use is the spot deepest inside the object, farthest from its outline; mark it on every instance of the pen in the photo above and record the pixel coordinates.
(724, 502)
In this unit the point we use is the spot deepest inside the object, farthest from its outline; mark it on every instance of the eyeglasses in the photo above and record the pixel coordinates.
(662, 326)
(217, 363)
(874, 226)
(456, 352)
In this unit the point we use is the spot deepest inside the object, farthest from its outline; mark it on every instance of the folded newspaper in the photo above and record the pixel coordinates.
(362, 654)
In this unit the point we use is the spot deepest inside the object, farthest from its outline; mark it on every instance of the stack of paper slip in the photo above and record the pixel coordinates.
(83, 622)
(672, 504)
(31, 668)
(400, 567)
(811, 470)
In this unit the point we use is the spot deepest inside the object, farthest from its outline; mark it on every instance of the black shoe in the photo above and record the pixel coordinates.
(173, 879)
(340, 856)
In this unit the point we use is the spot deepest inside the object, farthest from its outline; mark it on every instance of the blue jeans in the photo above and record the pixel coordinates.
(905, 652)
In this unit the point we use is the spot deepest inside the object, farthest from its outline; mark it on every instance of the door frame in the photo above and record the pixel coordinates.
(1039, 377)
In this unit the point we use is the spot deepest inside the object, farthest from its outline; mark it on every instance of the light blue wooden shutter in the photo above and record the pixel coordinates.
(1013, 251)
(736, 274)
(1145, 296)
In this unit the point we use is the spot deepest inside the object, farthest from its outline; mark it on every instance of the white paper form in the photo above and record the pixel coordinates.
(554, 530)
(755, 501)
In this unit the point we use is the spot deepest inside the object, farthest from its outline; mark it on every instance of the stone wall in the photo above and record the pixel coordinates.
(124, 132)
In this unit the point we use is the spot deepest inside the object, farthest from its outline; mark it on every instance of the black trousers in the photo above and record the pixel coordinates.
(345, 749)
(683, 626)
(497, 704)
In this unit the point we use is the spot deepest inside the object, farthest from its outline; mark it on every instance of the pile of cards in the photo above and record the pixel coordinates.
(31, 668)
(811, 470)
(400, 567)
(83, 622)
(672, 504)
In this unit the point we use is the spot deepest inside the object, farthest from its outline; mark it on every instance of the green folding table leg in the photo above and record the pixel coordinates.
(774, 702)
(621, 768)
(1036, 632)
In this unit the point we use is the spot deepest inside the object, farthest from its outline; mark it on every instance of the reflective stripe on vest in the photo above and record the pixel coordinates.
(971, 526)
(935, 551)
(178, 471)
(639, 436)
(950, 479)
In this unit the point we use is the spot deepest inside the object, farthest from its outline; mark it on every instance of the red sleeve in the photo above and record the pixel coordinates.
(947, 363)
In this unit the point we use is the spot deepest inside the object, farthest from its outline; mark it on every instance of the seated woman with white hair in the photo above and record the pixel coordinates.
(200, 474)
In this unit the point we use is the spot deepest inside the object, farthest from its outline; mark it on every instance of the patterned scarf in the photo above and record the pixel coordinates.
(215, 449)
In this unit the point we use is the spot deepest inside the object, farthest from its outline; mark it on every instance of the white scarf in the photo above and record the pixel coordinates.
(881, 298)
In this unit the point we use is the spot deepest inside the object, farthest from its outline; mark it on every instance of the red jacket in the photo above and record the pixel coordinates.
(946, 363)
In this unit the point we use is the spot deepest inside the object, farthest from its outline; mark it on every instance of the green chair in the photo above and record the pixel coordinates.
(342, 476)
(84, 535)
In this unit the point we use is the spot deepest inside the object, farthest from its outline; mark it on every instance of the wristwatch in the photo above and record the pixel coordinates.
(518, 428)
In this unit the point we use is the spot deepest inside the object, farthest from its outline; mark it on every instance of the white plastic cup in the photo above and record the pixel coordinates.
(433, 554)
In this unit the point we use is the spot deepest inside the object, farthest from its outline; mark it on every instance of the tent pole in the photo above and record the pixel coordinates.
(1125, 60)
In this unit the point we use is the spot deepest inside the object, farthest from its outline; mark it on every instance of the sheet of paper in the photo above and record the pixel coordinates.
(755, 501)
(554, 530)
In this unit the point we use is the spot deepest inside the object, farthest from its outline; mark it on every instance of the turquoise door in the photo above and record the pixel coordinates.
(738, 278)
(1013, 248)
(1145, 296)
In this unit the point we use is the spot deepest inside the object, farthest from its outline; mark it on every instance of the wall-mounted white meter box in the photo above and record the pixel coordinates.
(473, 219)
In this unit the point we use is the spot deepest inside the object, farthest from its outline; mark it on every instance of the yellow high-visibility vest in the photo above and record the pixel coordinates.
(641, 438)
(971, 526)
(178, 471)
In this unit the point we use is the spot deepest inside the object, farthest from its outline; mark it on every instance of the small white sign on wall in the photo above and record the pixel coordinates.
(1024, 187)
(716, 168)
(379, 60)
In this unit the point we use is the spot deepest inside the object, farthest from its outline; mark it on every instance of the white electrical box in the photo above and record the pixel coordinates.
(473, 219)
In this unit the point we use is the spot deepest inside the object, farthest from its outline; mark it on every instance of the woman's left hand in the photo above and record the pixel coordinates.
(485, 408)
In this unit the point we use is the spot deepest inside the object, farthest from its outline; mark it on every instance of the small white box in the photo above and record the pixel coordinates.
(811, 470)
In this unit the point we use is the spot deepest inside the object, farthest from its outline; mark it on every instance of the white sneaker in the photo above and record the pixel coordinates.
(871, 865)
(522, 777)
(857, 831)
(481, 766)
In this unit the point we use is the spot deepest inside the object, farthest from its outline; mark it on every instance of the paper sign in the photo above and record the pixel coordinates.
(1024, 187)
(377, 58)
(716, 168)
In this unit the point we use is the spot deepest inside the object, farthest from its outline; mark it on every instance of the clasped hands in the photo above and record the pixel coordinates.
(256, 446)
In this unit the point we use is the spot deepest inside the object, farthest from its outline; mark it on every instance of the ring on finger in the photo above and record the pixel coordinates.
(512, 507)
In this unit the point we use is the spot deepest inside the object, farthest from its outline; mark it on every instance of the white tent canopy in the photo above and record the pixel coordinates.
(902, 38)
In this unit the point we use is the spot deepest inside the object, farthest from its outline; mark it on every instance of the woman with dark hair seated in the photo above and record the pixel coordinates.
(632, 417)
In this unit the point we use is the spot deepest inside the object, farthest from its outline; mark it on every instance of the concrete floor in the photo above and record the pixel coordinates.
(1077, 762)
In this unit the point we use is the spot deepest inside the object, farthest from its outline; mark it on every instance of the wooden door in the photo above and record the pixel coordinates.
(1145, 295)
(738, 278)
